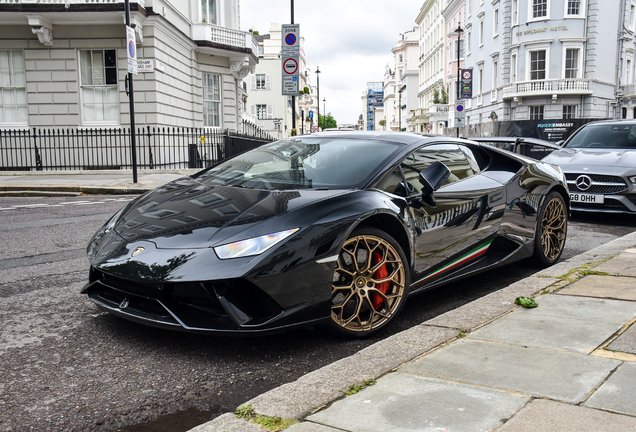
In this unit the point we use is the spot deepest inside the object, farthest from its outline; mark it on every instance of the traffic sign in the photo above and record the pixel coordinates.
(290, 66)
(290, 43)
(459, 107)
(311, 114)
(429, 127)
(131, 51)
(467, 74)
(290, 86)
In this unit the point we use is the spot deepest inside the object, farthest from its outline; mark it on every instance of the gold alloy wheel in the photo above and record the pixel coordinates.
(368, 284)
(553, 229)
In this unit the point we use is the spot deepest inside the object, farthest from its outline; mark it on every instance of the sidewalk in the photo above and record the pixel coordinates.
(568, 365)
(60, 183)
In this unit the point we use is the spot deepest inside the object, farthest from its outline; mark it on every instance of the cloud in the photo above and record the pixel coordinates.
(350, 40)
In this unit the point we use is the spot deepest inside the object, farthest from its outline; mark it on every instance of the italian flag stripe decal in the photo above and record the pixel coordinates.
(480, 250)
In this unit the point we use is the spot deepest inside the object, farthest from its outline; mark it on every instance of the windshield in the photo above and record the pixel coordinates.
(610, 136)
(304, 163)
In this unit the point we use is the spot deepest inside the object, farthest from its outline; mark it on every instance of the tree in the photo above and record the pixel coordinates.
(330, 122)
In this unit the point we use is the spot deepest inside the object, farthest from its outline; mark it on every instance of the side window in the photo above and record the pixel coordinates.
(459, 159)
(393, 183)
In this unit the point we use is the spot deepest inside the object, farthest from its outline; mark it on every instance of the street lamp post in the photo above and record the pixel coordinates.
(318, 100)
(459, 31)
(324, 116)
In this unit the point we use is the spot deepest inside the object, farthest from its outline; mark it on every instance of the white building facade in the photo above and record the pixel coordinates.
(64, 64)
(540, 60)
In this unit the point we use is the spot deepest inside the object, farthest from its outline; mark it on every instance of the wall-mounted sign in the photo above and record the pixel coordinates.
(144, 65)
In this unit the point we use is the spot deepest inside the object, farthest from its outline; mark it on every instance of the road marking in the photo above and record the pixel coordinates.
(76, 203)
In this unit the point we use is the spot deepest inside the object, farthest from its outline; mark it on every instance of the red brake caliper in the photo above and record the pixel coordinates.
(381, 273)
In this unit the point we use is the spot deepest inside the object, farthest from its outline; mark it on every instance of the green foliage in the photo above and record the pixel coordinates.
(329, 122)
(306, 90)
(355, 388)
(255, 33)
(444, 97)
(273, 424)
(436, 99)
(382, 122)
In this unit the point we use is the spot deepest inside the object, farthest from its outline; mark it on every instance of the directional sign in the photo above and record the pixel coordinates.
(311, 114)
(290, 43)
(290, 66)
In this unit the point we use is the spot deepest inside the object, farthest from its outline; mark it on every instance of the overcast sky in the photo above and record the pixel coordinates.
(350, 40)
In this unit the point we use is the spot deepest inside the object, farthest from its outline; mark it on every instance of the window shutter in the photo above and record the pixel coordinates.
(253, 110)
(268, 84)
(270, 111)
(253, 78)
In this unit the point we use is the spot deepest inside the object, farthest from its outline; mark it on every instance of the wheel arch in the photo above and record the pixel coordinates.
(392, 226)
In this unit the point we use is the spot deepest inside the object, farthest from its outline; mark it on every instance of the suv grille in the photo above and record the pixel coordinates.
(602, 184)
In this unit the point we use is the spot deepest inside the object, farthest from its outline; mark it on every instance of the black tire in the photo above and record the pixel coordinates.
(370, 283)
(552, 229)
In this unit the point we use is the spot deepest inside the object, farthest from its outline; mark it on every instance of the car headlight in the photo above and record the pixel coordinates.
(253, 246)
(632, 179)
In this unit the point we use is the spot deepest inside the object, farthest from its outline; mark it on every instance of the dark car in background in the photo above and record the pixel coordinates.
(599, 162)
(531, 147)
(335, 228)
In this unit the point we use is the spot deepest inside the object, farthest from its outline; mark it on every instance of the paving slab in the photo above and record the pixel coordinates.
(626, 342)
(611, 287)
(558, 375)
(320, 387)
(310, 427)
(549, 416)
(491, 306)
(624, 264)
(618, 393)
(544, 331)
(584, 308)
(404, 402)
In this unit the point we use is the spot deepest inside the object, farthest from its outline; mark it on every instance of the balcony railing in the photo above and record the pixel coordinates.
(69, 2)
(480, 99)
(629, 90)
(437, 109)
(562, 86)
(223, 36)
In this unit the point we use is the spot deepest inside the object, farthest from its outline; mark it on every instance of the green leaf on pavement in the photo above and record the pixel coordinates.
(526, 302)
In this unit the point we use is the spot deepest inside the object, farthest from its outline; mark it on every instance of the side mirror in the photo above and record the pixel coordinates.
(432, 178)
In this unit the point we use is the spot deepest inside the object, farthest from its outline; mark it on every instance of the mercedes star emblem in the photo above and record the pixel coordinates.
(583, 182)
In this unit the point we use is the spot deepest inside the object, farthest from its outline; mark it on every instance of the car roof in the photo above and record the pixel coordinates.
(398, 137)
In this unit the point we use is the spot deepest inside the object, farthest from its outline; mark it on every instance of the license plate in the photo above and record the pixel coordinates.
(587, 198)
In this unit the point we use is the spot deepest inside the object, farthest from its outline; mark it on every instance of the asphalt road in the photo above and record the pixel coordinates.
(68, 366)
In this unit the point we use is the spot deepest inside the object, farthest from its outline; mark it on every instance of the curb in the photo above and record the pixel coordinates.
(321, 387)
(46, 190)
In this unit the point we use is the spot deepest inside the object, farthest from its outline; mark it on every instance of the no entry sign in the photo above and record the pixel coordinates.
(290, 66)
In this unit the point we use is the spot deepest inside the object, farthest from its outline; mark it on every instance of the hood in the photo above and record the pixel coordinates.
(578, 159)
(188, 214)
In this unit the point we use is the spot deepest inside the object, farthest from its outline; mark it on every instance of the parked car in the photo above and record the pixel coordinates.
(531, 147)
(335, 228)
(599, 162)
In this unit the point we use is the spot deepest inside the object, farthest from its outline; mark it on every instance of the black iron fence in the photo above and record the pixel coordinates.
(97, 149)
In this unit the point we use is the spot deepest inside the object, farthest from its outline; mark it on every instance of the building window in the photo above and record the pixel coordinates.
(13, 100)
(211, 100)
(260, 50)
(536, 112)
(401, 58)
(495, 74)
(468, 37)
(569, 112)
(496, 23)
(481, 32)
(632, 17)
(481, 79)
(98, 80)
(571, 63)
(539, 9)
(260, 81)
(261, 111)
(208, 11)
(537, 65)
(573, 7)
(515, 12)
(513, 68)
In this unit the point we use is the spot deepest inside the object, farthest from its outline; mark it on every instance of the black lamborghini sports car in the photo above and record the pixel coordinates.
(337, 228)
